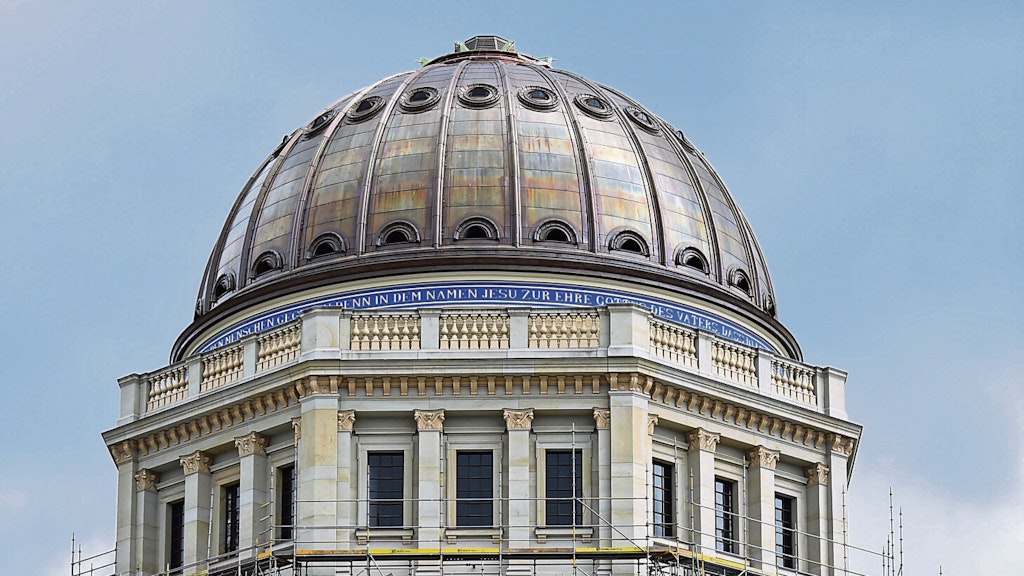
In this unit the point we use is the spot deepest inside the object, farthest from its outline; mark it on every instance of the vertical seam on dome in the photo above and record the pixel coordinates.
(514, 182)
(582, 159)
(367, 186)
(442, 151)
(654, 207)
(709, 221)
(295, 246)
(250, 229)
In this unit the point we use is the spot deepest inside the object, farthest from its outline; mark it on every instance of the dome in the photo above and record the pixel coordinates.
(489, 161)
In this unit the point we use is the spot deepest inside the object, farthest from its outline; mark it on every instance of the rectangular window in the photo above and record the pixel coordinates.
(386, 471)
(563, 474)
(785, 531)
(663, 506)
(474, 489)
(176, 534)
(725, 516)
(286, 502)
(231, 515)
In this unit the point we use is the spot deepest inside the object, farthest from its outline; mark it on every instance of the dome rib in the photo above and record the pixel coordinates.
(442, 155)
(589, 219)
(512, 168)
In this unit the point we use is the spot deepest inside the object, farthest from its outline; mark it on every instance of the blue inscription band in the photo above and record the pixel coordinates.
(496, 293)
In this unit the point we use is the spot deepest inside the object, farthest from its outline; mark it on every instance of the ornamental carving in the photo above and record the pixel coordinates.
(603, 417)
(296, 429)
(251, 443)
(195, 462)
(652, 421)
(428, 419)
(817, 474)
(841, 444)
(146, 480)
(518, 419)
(346, 418)
(123, 452)
(762, 457)
(702, 439)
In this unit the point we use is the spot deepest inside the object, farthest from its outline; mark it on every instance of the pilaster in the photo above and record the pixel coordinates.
(603, 457)
(147, 521)
(316, 505)
(817, 519)
(518, 423)
(630, 462)
(252, 494)
(838, 466)
(347, 505)
(761, 507)
(127, 468)
(429, 426)
(701, 456)
(198, 488)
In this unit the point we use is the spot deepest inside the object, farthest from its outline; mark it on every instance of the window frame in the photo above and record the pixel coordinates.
(788, 559)
(663, 524)
(286, 521)
(727, 540)
(376, 442)
(230, 517)
(576, 486)
(175, 565)
(488, 502)
(386, 505)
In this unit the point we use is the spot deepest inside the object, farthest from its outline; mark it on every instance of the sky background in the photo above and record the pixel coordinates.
(877, 150)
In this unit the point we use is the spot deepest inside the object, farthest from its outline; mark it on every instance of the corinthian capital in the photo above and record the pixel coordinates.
(702, 439)
(817, 474)
(251, 443)
(428, 419)
(346, 418)
(195, 462)
(146, 480)
(763, 457)
(602, 417)
(516, 419)
(652, 421)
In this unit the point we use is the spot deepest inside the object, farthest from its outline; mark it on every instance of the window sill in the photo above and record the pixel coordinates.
(453, 534)
(581, 533)
(365, 534)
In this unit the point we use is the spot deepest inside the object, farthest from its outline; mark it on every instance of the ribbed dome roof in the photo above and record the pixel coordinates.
(486, 159)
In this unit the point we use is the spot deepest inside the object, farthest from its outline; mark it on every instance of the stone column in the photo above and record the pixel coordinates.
(603, 458)
(347, 497)
(147, 533)
(630, 452)
(127, 468)
(198, 488)
(761, 507)
(817, 519)
(701, 456)
(518, 423)
(252, 494)
(317, 436)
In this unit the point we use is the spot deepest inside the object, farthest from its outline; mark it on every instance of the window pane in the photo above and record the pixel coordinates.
(286, 499)
(663, 506)
(176, 533)
(386, 486)
(231, 518)
(564, 487)
(785, 531)
(725, 517)
(474, 489)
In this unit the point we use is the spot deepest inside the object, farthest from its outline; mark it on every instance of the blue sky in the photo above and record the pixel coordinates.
(875, 148)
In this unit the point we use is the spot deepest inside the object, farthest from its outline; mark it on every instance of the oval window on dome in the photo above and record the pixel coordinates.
(398, 233)
(419, 99)
(594, 106)
(538, 98)
(642, 119)
(266, 263)
(320, 122)
(629, 241)
(769, 305)
(365, 108)
(739, 279)
(692, 258)
(225, 283)
(478, 95)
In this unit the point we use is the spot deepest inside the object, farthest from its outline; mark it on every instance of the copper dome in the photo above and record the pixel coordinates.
(486, 159)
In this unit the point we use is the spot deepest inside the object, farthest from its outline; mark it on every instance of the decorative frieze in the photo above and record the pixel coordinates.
(762, 457)
(346, 419)
(146, 480)
(703, 440)
(251, 443)
(817, 474)
(429, 419)
(518, 419)
(602, 418)
(195, 462)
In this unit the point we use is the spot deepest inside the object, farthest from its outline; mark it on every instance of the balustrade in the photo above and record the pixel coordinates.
(793, 381)
(278, 347)
(384, 331)
(167, 387)
(734, 362)
(474, 331)
(221, 367)
(674, 343)
(568, 329)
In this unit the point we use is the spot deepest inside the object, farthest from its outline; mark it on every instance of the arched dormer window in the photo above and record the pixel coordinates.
(398, 233)
(476, 229)
(555, 231)
(324, 245)
(629, 241)
(739, 279)
(225, 283)
(265, 263)
(769, 305)
(691, 257)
